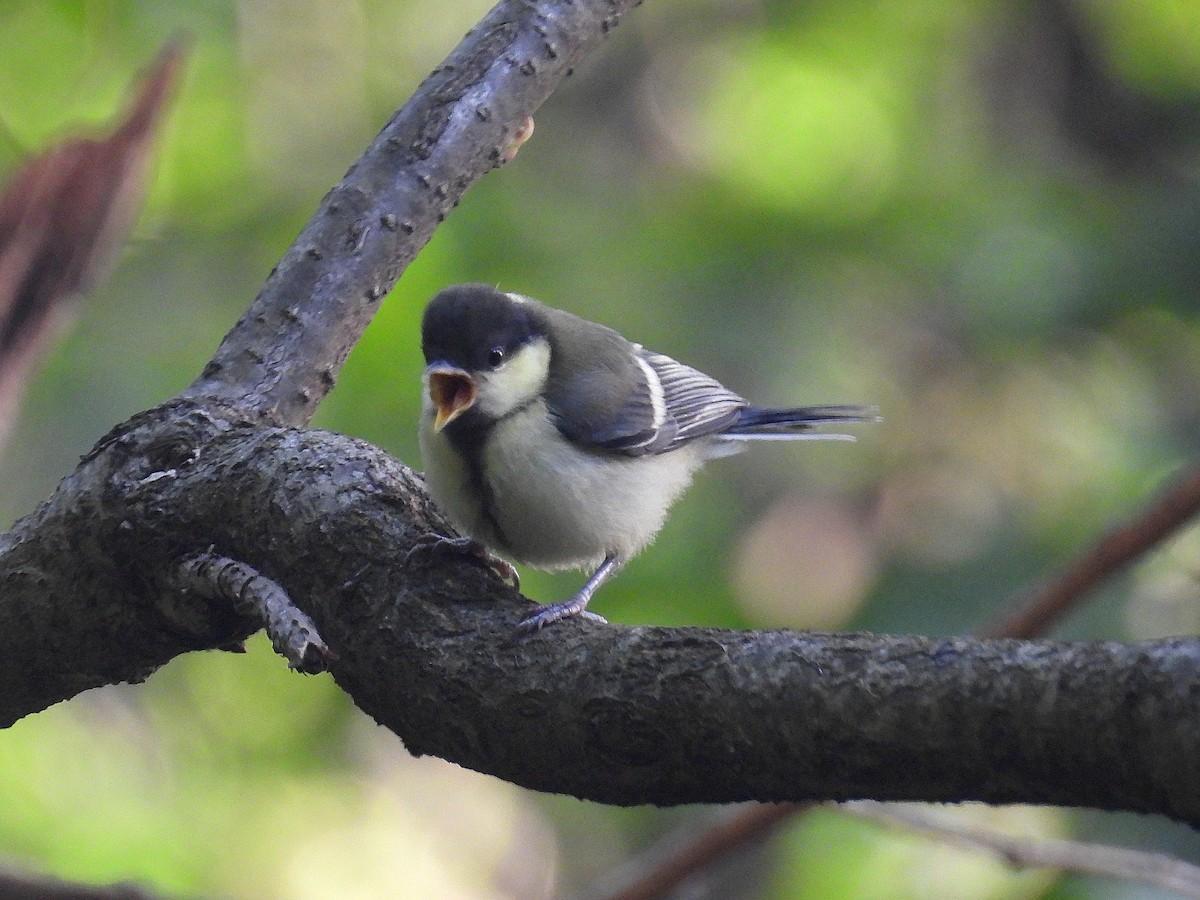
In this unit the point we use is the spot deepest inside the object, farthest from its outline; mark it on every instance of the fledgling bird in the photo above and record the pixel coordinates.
(557, 443)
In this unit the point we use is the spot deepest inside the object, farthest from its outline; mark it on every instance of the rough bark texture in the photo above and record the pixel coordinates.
(616, 714)
(90, 595)
(465, 119)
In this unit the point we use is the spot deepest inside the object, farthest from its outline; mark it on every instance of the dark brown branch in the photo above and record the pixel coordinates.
(1164, 516)
(670, 866)
(469, 116)
(614, 714)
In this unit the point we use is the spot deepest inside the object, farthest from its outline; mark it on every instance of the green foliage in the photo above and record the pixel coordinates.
(816, 202)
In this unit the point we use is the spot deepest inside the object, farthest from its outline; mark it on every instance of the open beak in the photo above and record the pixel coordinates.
(452, 390)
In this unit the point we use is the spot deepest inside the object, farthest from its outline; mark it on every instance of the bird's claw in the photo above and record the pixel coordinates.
(439, 544)
(555, 612)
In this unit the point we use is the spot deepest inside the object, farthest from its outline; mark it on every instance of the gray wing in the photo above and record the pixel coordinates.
(653, 406)
(696, 404)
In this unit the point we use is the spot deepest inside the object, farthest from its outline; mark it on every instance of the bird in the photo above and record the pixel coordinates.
(555, 442)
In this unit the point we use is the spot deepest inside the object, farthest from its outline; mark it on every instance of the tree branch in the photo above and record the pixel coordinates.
(619, 715)
(293, 634)
(1118, 863)
(677, 857)
(469, 116)
(614, 714)
(662, 871)
(1174, 508)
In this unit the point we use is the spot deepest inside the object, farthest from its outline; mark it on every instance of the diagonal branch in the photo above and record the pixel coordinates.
(676, 858)
(1137, 866)
(1171, 510)
(469, 116)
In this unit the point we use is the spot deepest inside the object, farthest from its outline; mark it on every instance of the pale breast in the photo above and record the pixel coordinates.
(560, 506)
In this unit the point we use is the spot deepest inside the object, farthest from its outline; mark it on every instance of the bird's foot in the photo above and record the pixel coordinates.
(577, 604)
(548, 615)
(461, 546)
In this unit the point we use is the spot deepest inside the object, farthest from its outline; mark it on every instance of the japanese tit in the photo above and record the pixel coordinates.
(557, 443)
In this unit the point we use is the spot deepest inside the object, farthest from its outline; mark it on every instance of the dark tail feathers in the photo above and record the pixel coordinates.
(756, 422)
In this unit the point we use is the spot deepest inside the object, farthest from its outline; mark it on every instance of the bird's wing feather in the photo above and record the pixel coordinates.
(600, 399)
(629, 427)
(698, 405)
(656, 405)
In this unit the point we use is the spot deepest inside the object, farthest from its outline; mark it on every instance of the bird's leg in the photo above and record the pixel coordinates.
(439, 544)
(577, 604)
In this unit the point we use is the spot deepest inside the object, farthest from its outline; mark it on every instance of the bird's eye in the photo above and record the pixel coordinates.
(495, 356)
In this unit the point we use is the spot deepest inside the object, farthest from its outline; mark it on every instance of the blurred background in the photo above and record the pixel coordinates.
(980, 216)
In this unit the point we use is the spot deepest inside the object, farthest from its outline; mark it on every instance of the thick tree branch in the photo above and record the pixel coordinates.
(468, 117)
(615, 714)
(661, 871)
(88, 594)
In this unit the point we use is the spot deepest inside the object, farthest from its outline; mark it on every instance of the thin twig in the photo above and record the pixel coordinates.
(1139, 867)
(1174, 508)
(676, 863)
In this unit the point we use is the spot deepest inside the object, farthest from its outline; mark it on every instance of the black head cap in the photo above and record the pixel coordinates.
(475, 325)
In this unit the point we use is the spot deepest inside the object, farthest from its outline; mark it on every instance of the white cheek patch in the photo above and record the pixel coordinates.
(517, 382)
(517, 298)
